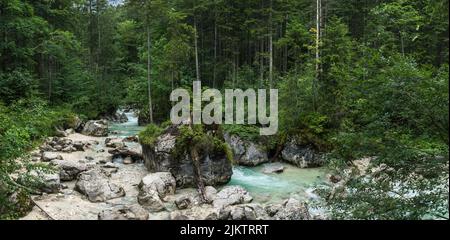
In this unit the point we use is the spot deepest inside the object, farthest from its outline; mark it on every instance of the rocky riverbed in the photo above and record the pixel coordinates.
(101, 175)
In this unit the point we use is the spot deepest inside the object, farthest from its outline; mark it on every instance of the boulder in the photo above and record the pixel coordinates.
(243, 212)
(214, 166)
(201, 212)
(124, 153)
(161, 182)
(69, 170)
(97, 187)
(273, 168)
(114, 143)
(49, 181)
(131, 139)
(210, 193)
(231, 195)
(183, 202)
(245, 152)
(301, 156)
(150, 200)
(49, 156)
(122, 212)
(96, 128)
(292, 209)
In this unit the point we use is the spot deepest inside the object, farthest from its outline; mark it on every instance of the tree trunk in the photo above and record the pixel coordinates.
(261, 63)
(197, 67)
(149, 80)
(270, 47)
(315, 81)
(215, 50)
(50, 83)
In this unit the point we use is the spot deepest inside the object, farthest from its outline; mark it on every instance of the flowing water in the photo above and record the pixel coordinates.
(292, 182)
(126, 129)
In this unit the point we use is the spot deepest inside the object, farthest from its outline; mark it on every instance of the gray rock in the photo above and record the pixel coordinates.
(97, 187)
(96, 128)
(49, 156)
(245, 152)
(215, 168)
(183, 202)
(292, 209)
(243, 212)
(50, 182)
(79, 146)
(122, 212)
(114, 143)
(273, 168)
(231, 195)
(301, 156)
(161, 182)
(69, 170)
(210, 193)
(150, 200)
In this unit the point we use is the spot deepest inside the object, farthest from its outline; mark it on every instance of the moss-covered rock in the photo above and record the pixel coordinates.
(171, 150)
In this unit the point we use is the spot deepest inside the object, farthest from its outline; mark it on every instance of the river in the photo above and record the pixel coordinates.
(265, 188)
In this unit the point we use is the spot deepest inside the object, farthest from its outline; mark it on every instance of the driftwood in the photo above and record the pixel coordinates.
(42, 210)
(125, 152)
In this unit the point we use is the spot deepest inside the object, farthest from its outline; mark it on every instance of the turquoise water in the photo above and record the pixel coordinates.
(293, 182)
(129, 128)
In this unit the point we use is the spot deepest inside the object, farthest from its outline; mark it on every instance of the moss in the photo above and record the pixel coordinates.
(200, 138)
(149, 135)
(246, 132)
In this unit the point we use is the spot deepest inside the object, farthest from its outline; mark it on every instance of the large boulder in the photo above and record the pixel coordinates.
(161, 182)
(273, 168)
(49, 156)
(231, 195)
(150, 200)
(49, 182)
(153, 188)
(96, 128)
(69, 170)
(301, 156)
(96, 186)
(123, 212)
(245, 152)
(243, 212)
(291, 209)
(171, 152)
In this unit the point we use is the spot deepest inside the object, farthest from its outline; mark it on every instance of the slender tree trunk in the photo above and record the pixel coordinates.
(149, 79)
(50, 80)
(215, 50)
(285, 60)
(197, 67)
(317, 59)
(261, 63)
(270, 47)
(98, 45)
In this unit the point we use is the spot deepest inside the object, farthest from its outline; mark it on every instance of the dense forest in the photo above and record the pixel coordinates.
(356, 78)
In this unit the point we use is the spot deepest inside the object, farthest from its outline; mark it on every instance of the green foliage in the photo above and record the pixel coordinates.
(246, 132)
(22, 125)
(149, 135)
(200, 139)
(15, 85)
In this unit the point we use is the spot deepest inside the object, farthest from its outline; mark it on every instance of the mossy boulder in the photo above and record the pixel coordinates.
(170, 150)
